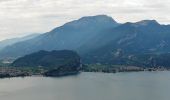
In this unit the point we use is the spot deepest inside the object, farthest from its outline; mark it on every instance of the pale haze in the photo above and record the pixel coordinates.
(22, 17)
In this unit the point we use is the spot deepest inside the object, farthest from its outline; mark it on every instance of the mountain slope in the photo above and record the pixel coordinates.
(12, 41)
(142, 37)
(48, 59)
(99, 39)
(70, 36)
(63, 62)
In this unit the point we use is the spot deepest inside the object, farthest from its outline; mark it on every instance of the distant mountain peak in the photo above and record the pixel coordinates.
(92, 20)
(147, 22)
(99, 18)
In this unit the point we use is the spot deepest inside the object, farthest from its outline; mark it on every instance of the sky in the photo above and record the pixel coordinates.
(22, 17)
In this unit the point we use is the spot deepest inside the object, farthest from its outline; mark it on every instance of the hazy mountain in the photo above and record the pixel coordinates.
(71, 36)
(130, 39)
(99, 39)
(12, 41)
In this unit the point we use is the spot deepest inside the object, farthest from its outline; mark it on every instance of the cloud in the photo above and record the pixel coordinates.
(21, 17)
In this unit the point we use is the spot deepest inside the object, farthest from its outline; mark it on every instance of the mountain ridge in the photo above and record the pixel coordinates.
(99, 39)
(8, 42)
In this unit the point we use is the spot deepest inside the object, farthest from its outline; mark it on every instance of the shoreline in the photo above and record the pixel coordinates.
(79, 73)
(26, 74)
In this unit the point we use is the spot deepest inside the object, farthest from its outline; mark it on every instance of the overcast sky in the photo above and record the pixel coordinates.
(23, 17)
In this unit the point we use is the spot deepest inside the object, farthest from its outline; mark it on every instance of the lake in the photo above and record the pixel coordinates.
(89, 86)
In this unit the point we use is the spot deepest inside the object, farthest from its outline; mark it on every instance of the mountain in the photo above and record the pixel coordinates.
(151, 60)
(142, 37)
(70, 36)
(12, 41)
(53, 59)
(58, 63)
(100, 39)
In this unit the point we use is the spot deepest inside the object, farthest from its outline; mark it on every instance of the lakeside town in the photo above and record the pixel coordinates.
(7, 72)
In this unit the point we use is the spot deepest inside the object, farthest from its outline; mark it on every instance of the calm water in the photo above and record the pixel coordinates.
(89, 86)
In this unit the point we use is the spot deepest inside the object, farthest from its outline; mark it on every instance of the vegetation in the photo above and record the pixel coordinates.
(52, 59)
(110, 68)
(62, 62)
